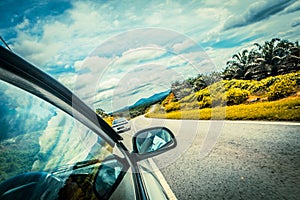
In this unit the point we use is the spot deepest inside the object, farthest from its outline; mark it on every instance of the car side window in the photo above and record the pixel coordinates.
(125, 190)
(35, 136)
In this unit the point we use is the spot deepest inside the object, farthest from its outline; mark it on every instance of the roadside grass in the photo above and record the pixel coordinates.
(109, 120)
(287, 109)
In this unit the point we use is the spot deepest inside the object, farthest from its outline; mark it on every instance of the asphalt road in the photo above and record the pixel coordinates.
(229, 160)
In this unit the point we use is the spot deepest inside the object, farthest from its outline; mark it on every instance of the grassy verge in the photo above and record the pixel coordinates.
(287, 109)
(109, 120)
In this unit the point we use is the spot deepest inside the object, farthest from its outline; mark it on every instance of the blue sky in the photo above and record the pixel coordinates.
(112, 53)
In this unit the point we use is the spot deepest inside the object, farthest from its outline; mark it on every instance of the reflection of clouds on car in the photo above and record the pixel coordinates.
(121, 125)
(152, 140)
(157, 143)
(107, 176)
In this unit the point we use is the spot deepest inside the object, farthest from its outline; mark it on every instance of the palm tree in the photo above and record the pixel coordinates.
(270, 59)
(292, 60)
(279, 56)
(240, 66)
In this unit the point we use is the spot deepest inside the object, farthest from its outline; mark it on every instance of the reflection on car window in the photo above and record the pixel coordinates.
(36, 136)
(107, 176)
(152, 140)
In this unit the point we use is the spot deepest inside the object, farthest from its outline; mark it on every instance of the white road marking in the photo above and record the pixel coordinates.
(162, 180)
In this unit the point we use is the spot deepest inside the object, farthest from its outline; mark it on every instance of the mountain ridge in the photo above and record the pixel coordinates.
(147, 101)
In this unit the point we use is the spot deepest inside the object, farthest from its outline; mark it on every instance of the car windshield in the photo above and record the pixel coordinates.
(120, 120)
(36, 136)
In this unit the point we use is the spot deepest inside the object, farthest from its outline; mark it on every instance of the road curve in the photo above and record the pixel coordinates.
(230, 159)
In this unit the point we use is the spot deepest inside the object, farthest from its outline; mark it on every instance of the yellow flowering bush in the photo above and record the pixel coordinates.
(281, 88)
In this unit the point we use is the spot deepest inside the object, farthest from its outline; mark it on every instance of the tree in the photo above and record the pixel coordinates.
(238, 66)
(279, 56)
(101, 113)
(182, 89)
(270, 59)
(199, 83)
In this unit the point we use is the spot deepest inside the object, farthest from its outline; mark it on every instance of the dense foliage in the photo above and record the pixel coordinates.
(269, 59)
(284, 109)
(234, 92)
(281, 89)
(275, 57)
(187, 87)
(18, 154)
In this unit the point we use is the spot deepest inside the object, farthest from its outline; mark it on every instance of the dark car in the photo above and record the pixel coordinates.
(54, 146)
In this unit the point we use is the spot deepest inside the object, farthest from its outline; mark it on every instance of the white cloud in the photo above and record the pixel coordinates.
(78, 64)
(137, 56)
(295, 22)
(24, 24)
(77, 31)
(68, 79)
(178, 47)
(256, 12)
(293, 8)
(220, 56)
(107, 84)
(95, 64)
(103, 96)
(154, 19)
(136, 79)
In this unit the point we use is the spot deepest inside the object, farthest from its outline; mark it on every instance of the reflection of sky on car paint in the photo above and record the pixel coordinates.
(60, 36)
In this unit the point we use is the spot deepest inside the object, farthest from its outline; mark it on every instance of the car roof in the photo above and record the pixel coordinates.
(19, 72)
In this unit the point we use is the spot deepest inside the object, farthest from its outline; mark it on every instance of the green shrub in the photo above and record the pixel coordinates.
(218, 98)
(168, 99)
(172, 106)
(236, 96)
(206, 102)
(284, 109)
(281, 88)
(233, 92)
(202, 94)
(210, 97)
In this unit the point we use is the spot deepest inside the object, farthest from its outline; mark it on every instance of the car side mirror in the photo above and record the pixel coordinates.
(153, 141)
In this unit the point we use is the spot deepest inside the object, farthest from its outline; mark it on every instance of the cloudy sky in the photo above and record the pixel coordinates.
(112, 53)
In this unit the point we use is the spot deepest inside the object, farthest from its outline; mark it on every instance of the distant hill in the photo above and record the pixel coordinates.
(139, 107)
(151, 100)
